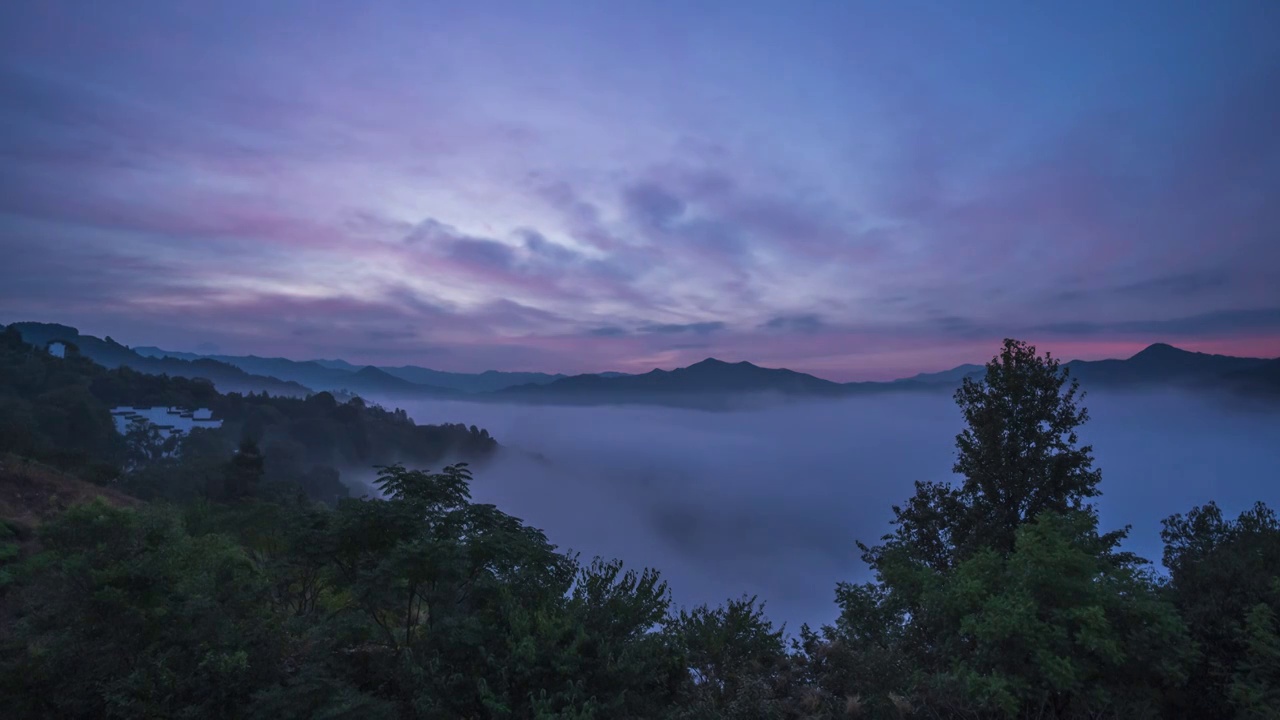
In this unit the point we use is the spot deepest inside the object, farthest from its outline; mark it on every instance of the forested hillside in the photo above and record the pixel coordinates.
(998, 596)
(111, 354)
(57, 410)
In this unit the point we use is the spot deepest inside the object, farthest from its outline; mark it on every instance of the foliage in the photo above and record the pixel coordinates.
(145, 445)
(1255, 686)
(1220, 573)
(128, 616)
(48, 410)
(738, 663)
(9, 550)
(1059, 628)
(859, 664)
(998, 596)
(263, 593)
(1019, 457)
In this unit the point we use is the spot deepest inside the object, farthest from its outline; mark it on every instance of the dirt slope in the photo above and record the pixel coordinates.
(31, 492)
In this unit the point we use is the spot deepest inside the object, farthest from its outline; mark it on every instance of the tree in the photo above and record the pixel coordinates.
(145, 444)
(999, 595)
(324, 401)
(862, 663)
(1255, 687)
(433, 578)
(459, 610)
(1019, 457)
(738, 663)
(601, 653)
(1220, 572)
(1018, 453)
(243, 471)
(125, 615)
(1057, 629)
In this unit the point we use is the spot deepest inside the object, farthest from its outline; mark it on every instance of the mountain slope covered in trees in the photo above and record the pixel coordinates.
(111, 354)
(57, 410)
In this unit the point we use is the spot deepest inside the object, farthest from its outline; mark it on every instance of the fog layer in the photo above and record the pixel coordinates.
(771, 501)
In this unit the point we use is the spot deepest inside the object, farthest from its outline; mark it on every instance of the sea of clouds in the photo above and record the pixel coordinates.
(769, 501)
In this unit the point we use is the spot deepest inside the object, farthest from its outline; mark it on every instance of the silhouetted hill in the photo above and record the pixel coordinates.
(337, 365)
(370, 379)
(1262, 380)
(487, 381)
(709, 378)
(709, 383)
(155, 352)
(952, 376)
(111, 354)
(713, 383)
(313, 375)
(337, 374)
(356, 380)
(1161, 364)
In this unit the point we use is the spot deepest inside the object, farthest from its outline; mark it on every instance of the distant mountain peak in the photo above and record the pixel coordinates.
(1165, 353)
(718, 363)
(1161, 350)
(371, 371)
(948, 377)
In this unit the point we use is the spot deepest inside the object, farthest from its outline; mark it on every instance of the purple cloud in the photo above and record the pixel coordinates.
(805, 323)
(698, 328)
(889, 190)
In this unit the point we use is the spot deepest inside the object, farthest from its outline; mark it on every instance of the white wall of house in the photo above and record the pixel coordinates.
(169, 419)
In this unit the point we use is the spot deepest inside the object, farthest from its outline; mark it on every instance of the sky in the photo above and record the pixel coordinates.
(859, 190)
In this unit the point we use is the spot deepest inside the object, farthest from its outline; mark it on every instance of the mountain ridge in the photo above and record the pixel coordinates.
(698, 383)
(111, 354)
(1161, 363)
(1156, 364)
(336, 374)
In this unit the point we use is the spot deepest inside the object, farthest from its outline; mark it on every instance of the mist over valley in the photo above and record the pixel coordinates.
(770, 501)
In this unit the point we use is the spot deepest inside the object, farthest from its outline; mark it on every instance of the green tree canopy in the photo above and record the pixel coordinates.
(1221, 572)
(1019, 456)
